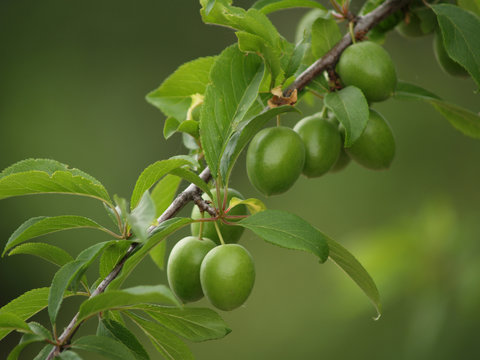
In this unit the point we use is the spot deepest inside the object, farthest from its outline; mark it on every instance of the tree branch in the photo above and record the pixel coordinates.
(192, 192)
(330, 59)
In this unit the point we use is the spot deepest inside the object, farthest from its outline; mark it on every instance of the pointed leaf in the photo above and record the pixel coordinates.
(164, 192)
(53, 254)
(157, 254)
(253, 205)
(142, 217)
(170, 127)
(167, 344)
(27, 305)
(251, 21)
(174, 96)
(463, 120)
(127, 298)
(236, 79)
(160, 233)
(10, 321)
(351, 109)
(40, 330)
(152, 174)
(121, 333)
(67, 274)
(460, 29)
(43, 354)
(42, 176)
(348, 263)
(325, 34)
(194, 324)
(112, 255)
(192, 178)
(269, 6)
(244, 133)
(287, 230)
(26, 340)
(105, 346)
(42, 225)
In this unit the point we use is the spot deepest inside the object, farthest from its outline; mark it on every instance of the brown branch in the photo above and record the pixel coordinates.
(193, 193)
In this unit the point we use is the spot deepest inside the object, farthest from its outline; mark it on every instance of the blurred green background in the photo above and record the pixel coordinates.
(73, 76)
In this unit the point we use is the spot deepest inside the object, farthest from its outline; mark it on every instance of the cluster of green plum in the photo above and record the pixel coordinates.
(277, 156)
(204, 264)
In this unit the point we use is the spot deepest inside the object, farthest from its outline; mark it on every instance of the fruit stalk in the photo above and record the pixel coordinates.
(193, 193)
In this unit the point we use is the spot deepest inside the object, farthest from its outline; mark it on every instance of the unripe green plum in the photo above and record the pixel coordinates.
(230, 233)
(369, 67)
(275, 159)
(227, 275)
(375, 148)
(183, 268)
(322, 144)
(342, 161)
(447, 64)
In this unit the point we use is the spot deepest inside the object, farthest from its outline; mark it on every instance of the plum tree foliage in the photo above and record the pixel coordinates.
(222, 104)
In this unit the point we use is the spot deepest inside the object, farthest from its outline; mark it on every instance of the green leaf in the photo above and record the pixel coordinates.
(251, 43)
(126, 298)
(407, 91)
(472, 5)
(43, 354)
(170, 127)
(167, 344)
(251, 21)
(348, 263)
(152, 174)
(192, 178)
(296, 58)
(287, 230)
(105, 346)
(351, 109)
(157, 254)
(174, 96)
(40, 330)
(463, 120)
(10, 321)
(325, 34)
(236, 79)
(67, 274)
(53, 254)
(460, 29)
(194, 324)
(254, 205)
(42, 225)
(112, 255)
(26, 340)
(121, 208)
(42, 176)
(269, 6)
(164, 192)
(161, 231)
(27, 305)
(142, 216)
(244, 133)
(121, 333)
(69, 355)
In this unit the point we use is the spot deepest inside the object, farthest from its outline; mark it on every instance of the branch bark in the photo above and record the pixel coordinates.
(193, 193)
